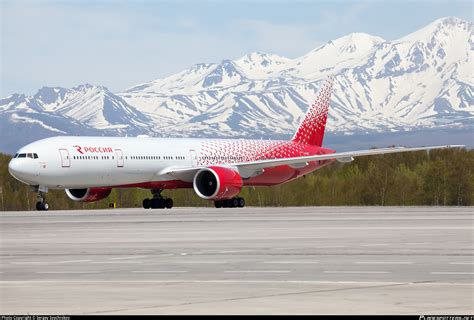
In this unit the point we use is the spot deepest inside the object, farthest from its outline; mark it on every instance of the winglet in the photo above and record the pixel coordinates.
(311, 129)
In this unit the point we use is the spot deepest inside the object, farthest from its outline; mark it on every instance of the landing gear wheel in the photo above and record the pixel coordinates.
(241, 202)
(146, 204)
(42, 206)
(218, 204)
(156, 203)
(234, 203)
(169, 203)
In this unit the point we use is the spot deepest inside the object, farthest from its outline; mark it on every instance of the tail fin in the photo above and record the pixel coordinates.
(311, 129)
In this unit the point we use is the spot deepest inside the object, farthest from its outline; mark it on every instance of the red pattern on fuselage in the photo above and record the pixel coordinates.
(226, 152)
(215, 152)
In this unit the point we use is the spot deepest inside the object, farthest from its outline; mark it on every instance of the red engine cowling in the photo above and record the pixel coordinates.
(217, 183)
(88, 194)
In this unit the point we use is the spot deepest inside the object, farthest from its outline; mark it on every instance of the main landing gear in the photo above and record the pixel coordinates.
(230, 203)
(41, 204)
(158, 201)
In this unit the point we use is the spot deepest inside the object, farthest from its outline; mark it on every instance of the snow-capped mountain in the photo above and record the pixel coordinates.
(92, 106)
(83, 110)
(421, 81)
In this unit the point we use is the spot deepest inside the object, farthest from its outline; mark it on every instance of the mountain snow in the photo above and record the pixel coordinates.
(92, 106)
(422, 80)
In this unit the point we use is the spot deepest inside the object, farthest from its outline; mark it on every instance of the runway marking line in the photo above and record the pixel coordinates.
(363, 272)
(117, 262)
(383, 262)
(257, 271)
(458, 273)
(65, 272)
(415, 243)
(461, 263)
(291, 262)
(50, 262)
(31, 262)
(201, 262)
(159, 271)
(329, 247)
(126, 258)
(73, 261)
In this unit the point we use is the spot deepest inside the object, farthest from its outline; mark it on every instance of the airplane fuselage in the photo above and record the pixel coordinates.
(85, 162)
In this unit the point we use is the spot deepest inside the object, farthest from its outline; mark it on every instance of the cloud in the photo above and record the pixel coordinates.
(65, 44)
(121, 43)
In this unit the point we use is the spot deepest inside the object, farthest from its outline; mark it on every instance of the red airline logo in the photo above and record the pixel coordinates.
(83, 150)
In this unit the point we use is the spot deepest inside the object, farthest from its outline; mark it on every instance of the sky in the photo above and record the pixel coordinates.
(120, 44)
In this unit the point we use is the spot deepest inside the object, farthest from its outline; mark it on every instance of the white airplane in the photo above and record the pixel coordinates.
(89, 167)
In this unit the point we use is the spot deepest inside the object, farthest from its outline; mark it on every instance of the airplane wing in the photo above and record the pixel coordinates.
(253, 168)
(344, 156)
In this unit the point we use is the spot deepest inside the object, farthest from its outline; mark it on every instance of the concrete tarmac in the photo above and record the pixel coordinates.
(312, 260)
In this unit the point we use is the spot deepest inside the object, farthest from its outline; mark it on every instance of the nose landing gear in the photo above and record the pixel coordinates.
(41, 204)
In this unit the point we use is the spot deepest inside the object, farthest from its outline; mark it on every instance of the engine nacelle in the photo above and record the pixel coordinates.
(217, 183)
(88, 194)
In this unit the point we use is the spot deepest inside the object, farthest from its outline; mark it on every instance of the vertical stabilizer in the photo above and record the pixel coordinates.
(311, 129)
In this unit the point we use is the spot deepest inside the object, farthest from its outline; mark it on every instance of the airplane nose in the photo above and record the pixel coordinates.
(19, 171)
(14, 168)
(23, 171)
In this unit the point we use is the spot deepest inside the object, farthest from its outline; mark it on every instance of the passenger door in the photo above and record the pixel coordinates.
(65, 160)
(194, 160)
(120, 160)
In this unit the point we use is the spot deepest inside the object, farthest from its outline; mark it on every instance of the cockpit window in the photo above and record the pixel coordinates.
(26, 155)
(16, 156)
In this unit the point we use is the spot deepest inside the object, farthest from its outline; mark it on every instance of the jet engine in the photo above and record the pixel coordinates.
(217, 183)
(88, 194)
